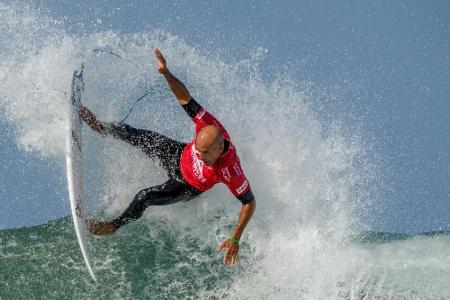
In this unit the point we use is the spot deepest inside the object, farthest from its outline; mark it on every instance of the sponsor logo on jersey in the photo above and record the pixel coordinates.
(237, 169)
(226, 174)
(243, 187)
(197, 165)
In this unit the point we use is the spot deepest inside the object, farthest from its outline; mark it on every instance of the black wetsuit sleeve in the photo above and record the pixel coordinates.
(247, 197)
(192, 108)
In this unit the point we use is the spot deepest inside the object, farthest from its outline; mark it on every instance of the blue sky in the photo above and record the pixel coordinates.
(389, 62)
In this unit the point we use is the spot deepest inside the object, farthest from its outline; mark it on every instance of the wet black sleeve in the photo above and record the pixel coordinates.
(192, 108)
(247, 197)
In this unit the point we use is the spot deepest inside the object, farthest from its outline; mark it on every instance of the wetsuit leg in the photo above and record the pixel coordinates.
(155, 145)
(170, 192)
(168, 151)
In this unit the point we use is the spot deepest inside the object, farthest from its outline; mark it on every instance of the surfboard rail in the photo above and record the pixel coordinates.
(74, 164)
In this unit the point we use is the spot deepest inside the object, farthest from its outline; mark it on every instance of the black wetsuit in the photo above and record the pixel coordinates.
(168, 152)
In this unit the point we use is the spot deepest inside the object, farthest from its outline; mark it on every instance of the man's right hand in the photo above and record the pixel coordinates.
(162, 67)
(177, 87)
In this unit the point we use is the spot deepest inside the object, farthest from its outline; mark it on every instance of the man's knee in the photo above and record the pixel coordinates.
(137, 207)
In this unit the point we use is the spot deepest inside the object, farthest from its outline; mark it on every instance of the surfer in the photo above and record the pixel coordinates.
(192, 167)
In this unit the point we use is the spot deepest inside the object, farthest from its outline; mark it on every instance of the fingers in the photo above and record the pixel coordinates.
(231, 252)
(162, 68)
(226, 247)
(226, 257)
(230, 258)
(234, 258)
(159, 55)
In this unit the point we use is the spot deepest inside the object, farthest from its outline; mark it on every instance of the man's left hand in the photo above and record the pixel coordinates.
(231, 250)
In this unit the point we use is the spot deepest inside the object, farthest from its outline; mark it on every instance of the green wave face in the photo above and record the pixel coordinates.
(153, 260)
(45, 262)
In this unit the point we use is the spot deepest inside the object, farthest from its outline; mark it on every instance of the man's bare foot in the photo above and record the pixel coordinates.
(101, 227)
(89, 118)
(162, 67)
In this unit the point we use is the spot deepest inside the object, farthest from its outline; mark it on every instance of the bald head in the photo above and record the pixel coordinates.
(209, 142)
(208, 136)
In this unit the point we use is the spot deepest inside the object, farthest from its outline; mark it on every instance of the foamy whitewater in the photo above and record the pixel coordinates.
(312, 182)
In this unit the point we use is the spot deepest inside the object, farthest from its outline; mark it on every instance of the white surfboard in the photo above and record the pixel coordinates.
(74, 162)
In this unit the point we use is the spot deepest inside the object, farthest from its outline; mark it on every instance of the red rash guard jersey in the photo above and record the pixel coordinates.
(227, 169)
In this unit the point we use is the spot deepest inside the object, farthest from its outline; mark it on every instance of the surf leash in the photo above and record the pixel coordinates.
(134, 103)
(147, 92)
(100, 50)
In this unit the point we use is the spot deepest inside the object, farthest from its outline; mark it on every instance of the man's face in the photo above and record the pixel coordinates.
(209, 153)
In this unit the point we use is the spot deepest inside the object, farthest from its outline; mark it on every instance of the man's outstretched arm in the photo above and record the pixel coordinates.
(231, 244)
(177, 87)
